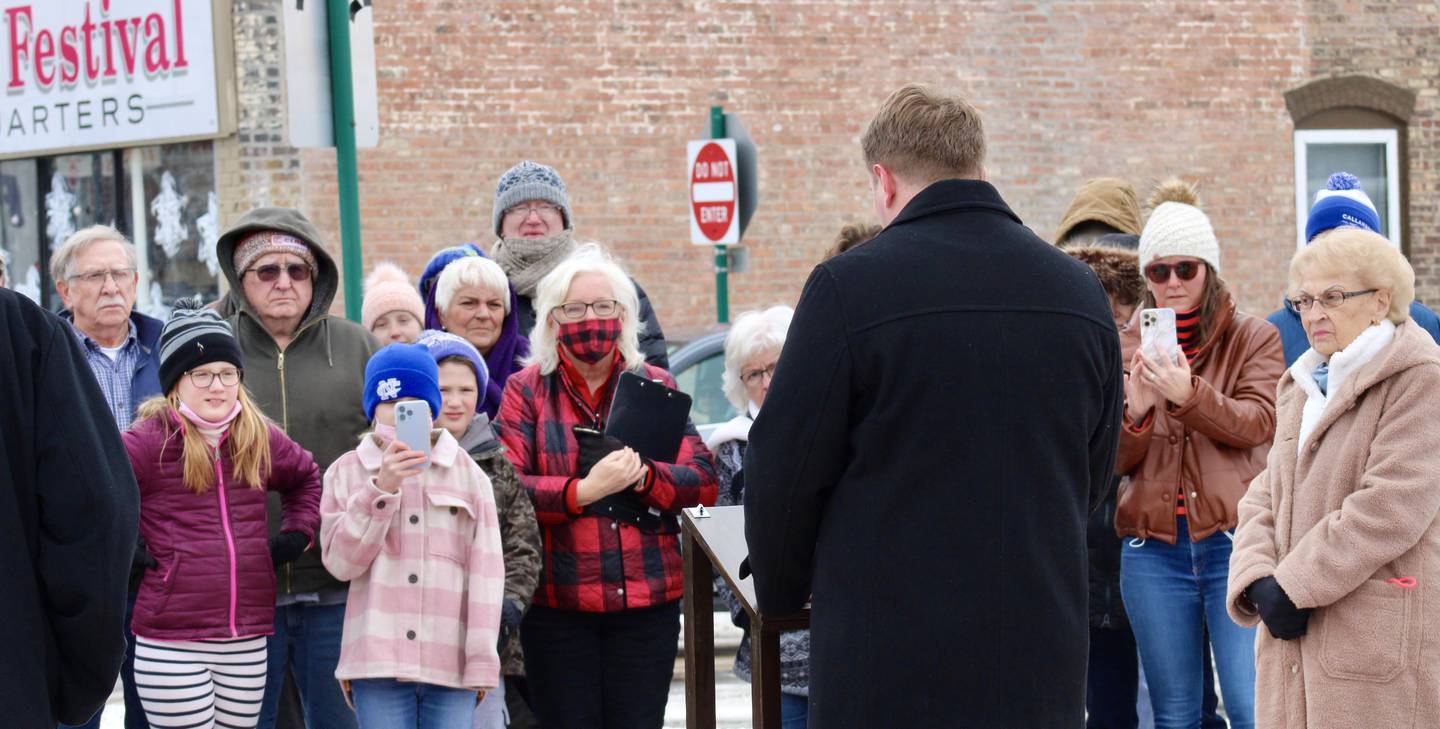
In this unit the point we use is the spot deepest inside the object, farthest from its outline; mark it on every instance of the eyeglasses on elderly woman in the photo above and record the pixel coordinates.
(1331, 298)
(575, 310)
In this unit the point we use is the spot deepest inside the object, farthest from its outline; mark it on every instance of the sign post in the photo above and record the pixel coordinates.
(343, 112)
(714, 203)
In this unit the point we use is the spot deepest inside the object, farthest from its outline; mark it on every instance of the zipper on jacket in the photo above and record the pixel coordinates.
(229, 542)
(284, 399)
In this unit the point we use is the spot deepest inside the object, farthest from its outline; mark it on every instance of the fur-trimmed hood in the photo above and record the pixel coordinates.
(1118, 269)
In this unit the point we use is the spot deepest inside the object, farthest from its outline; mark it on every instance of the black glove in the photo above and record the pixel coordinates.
(1282, 618)
(593, 446)
(142, 560)
(286, 547)
(509, 623)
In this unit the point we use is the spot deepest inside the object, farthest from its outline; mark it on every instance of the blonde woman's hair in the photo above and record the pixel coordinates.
(754, 333)
(248, 442)
(551, 291)
(924, 136)
(1371, 257)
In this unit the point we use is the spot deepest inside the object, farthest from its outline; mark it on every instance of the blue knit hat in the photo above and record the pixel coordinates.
(401, 370)
(530, 181)
(1342, 203)
(444, 344)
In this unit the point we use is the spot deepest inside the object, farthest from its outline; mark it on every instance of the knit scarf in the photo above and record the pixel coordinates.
(210, 430)
(527, 260)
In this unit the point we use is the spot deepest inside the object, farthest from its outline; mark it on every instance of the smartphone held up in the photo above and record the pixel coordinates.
(1158, 336)
(413, 424)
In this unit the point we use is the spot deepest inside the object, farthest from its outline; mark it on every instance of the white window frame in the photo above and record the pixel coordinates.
(1389, 137)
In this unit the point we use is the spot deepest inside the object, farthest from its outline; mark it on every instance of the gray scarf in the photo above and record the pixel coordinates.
(527, 260)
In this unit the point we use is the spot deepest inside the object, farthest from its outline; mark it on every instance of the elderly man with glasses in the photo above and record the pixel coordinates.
(532, 218)
(95, 275)
(306, 370)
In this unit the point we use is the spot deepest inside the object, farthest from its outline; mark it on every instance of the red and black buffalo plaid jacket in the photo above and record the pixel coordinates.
(593, 563)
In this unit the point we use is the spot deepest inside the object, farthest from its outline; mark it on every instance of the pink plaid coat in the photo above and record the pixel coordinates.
(425, 566)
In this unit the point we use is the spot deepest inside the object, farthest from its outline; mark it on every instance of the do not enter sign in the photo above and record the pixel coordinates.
(713, 193)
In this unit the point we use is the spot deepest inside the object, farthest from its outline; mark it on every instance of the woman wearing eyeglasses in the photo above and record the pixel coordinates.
(204, 457)
(1197, 426)
(1338, 549)
(601, 633)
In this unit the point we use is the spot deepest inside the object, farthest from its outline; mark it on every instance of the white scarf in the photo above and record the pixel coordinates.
(737, 428)
(1343, 365)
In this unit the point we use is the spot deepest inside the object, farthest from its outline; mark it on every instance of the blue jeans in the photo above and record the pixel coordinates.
(134, 712)
(1172, 593)
(384, 703)
(794, 711)
(308, 638)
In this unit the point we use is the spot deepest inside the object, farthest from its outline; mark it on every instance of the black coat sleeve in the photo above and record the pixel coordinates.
(1105, 439)
(797, 448)
(88, 525)
(652, 337)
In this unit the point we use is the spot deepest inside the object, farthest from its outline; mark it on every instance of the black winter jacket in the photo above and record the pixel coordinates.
(1107, 610)
(943, 418)
(69, 516)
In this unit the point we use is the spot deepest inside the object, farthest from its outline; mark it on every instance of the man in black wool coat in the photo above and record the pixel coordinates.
(69, 517)
(943, 418)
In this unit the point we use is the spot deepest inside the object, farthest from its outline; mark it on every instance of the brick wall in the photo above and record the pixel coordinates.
(609, 93)
(1396, 42)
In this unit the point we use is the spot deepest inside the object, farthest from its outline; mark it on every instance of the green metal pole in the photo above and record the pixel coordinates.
(722, 256)
(342, 105)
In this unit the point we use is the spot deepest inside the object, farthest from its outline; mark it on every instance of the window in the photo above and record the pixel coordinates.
(1370, 154)
(162, 197)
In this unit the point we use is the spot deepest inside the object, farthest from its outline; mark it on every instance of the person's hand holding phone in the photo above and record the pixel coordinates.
(1171, 378)
(397, 464)
(610, 475)
(1140, 394)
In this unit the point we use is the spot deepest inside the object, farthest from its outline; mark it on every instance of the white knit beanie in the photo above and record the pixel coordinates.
(1177, 227)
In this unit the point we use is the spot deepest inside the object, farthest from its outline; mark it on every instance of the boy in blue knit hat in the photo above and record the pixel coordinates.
(1342, 203)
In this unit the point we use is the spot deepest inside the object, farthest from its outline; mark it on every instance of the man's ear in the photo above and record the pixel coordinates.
(885, 183)
(63, 288)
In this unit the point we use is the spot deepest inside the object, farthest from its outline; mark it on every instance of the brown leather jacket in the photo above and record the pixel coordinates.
(1213, 444)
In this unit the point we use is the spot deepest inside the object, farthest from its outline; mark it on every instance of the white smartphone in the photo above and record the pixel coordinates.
(412, 426)
(1158, 337)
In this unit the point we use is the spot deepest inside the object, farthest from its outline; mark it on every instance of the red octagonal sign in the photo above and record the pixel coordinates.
(713, 192)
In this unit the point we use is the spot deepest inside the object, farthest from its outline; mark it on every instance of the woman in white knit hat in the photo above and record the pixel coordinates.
(1197, 428)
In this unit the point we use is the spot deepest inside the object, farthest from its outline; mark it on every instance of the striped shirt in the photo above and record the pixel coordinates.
(425, 566)
(1187, 334)
(117, 376)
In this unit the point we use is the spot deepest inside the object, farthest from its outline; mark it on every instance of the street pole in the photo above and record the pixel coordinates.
(722, 256)
(342, 105)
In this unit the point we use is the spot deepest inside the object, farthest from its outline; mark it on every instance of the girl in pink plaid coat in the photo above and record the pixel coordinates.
(420, 545)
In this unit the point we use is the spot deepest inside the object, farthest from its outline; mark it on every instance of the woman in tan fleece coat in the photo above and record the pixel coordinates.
(1338, 548)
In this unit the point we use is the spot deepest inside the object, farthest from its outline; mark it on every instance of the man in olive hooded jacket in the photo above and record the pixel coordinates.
(306, 370)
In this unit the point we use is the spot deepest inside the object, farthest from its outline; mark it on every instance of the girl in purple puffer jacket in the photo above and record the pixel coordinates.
(204, 457)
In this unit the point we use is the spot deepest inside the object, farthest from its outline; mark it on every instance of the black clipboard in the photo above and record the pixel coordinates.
(649, 417)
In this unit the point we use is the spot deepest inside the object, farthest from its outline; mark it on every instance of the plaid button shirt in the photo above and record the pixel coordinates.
(594, 563)
(117, 377)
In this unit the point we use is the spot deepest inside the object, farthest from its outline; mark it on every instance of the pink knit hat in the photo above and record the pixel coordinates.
(388, 289)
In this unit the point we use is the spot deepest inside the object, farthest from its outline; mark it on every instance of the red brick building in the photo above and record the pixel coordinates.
(1217, 92)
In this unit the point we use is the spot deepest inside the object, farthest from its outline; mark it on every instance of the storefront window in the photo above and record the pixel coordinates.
(162, 197)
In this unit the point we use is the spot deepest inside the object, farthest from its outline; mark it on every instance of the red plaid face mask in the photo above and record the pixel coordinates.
(589, 340)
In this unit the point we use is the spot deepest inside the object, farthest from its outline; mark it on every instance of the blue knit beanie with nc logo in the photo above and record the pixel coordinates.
(401, 371)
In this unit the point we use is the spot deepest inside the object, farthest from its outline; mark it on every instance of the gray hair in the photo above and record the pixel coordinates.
(753, 333)
(64, 256)
(471, 271)
(550, 293)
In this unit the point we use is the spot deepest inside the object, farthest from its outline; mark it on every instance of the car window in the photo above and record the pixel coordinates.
(704, 382)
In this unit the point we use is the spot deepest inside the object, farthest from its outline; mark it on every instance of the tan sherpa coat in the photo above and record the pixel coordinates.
(1339, 512)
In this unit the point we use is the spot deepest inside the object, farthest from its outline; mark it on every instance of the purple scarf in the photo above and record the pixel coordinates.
(512, 346)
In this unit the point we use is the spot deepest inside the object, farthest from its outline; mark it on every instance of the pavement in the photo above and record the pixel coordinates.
(732, 696)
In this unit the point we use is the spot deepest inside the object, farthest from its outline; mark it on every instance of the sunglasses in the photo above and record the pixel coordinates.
(1160, 272)
(270, 273)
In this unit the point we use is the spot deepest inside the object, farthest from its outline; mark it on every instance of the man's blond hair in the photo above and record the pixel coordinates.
(923, 136)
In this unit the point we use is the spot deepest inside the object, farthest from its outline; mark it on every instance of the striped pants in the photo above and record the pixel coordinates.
(200, 684)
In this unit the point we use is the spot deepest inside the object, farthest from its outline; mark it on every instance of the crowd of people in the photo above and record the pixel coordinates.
(224, 509)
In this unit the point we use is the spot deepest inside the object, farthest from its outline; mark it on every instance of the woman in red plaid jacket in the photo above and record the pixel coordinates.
(600, 638)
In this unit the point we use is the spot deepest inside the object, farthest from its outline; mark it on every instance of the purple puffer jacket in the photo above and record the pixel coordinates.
(215, 579)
